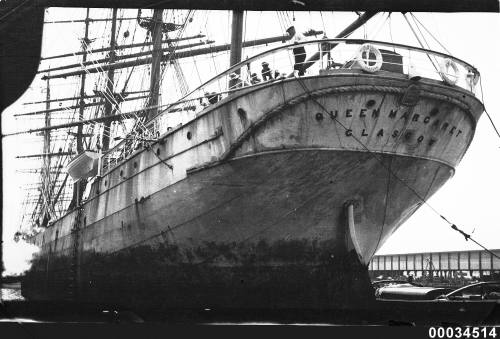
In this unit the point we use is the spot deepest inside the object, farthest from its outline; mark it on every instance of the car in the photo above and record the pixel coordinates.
(410, 292)
(381, 283)
(489, 290)
(406, 290)
(477, 303)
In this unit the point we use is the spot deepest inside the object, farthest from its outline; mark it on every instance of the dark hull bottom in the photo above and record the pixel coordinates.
(141, 279)
(263, 232)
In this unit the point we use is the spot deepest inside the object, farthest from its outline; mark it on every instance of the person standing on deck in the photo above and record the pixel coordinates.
(254, 79)
(299, 53)
(266, 72)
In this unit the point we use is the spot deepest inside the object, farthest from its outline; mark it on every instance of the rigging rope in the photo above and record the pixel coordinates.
(372, 36)
(43, 192)
(390, 32)
(484, 106)
(13, 10)
(423, 37)
(108, 95)
(421, 44)
(323, 23)
(373, 154)
(387, 190)
(440, 44)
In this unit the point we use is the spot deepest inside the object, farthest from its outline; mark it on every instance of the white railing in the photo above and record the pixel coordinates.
(334, 55)
(327, 54)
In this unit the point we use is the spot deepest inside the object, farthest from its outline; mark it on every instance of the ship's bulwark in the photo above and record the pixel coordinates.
(261, 222)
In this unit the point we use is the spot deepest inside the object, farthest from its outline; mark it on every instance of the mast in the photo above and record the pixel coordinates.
(45, 172)
(46, 133)
(109, 92)
(236, 43)
(85, 42)
(236, 38)
(156, 35)
(79, 186)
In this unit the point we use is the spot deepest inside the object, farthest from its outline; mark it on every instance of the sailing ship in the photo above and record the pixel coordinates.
(254, 190)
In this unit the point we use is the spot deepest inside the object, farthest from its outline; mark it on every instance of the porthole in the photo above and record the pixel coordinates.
(370, 103)
(105, 183)
(121, 173)
(319, 116)
(189, 135)
(158, 152)
(434, 111)
(135, 164)
(408, 135)
(242, 113)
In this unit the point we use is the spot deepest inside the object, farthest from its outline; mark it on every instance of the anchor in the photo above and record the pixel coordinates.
(351, 238)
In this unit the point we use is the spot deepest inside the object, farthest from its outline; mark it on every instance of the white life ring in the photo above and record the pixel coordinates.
(446, 66)
(363, 58)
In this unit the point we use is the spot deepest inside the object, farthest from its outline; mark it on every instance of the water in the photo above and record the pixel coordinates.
(16, 309)
(10, 292)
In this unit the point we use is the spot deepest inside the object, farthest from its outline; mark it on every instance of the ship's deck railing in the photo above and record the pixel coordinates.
(322, 56)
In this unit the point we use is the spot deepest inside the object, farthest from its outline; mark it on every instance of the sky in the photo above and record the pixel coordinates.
(470, 199)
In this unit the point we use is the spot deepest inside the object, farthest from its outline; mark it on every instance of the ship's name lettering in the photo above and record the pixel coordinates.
(437, 124)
